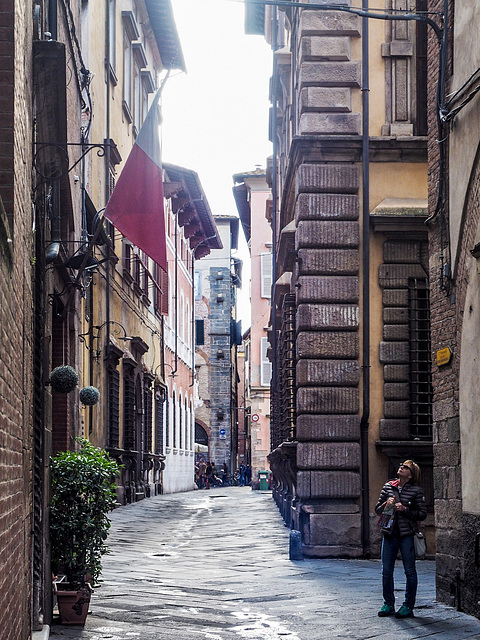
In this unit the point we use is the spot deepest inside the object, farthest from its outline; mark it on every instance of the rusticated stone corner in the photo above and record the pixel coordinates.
(328, 262)
(336, 373)
(345, 428)
(329, 400)
(326, 344)
(328, 455)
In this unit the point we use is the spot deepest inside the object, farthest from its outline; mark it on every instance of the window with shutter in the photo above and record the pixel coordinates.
(265, 364)
(266, 274)
(164, 288)
(199, 332)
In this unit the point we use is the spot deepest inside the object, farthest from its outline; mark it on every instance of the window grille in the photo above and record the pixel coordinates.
(148, 415)
(159, 421)
(113, 382)
(420, 360)
(174, 420)
(283, 410)
(167, 422)
(128, 412)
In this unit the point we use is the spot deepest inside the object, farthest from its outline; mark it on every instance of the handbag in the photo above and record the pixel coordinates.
(420, 545)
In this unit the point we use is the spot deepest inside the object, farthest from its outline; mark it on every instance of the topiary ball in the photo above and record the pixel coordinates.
(64, 379)
(89, 396)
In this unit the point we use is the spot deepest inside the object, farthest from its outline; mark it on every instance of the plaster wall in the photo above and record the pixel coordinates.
(397, 180)
(468, 389)
(467, 124)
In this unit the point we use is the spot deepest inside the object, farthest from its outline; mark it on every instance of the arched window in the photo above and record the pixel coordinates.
(188, 326)
(187, 426)
(174, 420)
(182, 317)
(192, 427)
(180, 422)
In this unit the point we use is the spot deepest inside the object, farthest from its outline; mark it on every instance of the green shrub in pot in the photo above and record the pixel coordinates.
(83, 493)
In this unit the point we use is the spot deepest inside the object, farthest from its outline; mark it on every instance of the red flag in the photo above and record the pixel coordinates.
(135, 206)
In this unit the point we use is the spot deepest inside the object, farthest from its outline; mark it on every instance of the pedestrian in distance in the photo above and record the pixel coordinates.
(400, 506)
(208, 475)
(242, 469)
(201, 474)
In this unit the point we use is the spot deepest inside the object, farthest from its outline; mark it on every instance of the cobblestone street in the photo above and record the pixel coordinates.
(214, 565)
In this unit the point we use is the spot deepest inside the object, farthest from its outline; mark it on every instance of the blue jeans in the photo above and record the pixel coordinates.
(390, 546)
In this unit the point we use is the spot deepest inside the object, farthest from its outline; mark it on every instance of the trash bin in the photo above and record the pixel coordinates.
(263, 477)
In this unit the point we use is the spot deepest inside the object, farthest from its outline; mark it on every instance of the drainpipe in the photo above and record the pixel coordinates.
(364, 423)
(108, 63)
(52, 19)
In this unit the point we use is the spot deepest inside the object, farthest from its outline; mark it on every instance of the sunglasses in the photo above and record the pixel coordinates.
(405, 466)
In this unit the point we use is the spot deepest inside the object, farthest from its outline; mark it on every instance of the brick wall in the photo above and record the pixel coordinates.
(15, 323)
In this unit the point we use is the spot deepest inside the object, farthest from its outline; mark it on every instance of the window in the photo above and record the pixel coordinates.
(139, 87)
(113, 400)
(199, 332)
(180, 422)
(266, 274)
(198, 284)
(420, 360)
(159, 420)
(265, 364)
(127, 76)
(182, 316)
(174, 421)
(147, 416)
(161, 291)
(137, 98)
(130, 33)
(168, 421)
(128, 410)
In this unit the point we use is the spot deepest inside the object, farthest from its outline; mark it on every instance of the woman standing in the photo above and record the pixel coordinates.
(404, 498)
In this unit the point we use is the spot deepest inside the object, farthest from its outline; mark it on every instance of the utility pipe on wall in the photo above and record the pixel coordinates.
(364, 423)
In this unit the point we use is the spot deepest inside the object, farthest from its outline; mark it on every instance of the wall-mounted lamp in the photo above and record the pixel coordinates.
(96, 336)
(220, 414)
(220, 298)
(220, 354)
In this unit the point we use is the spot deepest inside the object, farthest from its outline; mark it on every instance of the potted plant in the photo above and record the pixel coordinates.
(83, 492)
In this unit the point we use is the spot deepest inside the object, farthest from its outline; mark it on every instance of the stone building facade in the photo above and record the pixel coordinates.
(454, 237)
(351, 380)
(252, 196)
(72, 291)
(217, 279)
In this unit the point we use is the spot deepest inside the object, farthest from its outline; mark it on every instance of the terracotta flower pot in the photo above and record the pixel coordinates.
(73, 605)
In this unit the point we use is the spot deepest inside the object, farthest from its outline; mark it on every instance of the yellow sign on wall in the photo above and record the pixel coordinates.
(444, 356)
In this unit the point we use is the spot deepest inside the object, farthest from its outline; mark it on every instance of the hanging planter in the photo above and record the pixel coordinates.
(89, 396)
(64, 379)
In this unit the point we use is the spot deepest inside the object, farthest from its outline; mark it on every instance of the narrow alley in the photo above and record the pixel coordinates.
(214, 565)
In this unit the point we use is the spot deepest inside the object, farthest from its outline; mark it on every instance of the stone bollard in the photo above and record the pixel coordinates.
(296, 552)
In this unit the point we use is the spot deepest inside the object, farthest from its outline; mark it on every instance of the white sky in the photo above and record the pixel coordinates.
(215, 117)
